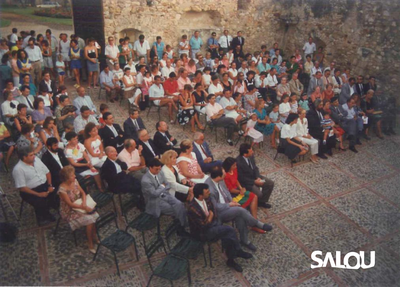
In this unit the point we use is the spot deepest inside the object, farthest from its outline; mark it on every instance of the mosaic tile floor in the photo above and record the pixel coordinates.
(349, 202)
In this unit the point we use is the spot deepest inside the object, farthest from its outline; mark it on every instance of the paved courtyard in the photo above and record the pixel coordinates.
(349, 202)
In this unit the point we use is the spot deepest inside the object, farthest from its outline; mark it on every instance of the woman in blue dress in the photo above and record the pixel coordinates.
(75, 54)
(264, 124)
(159, 47)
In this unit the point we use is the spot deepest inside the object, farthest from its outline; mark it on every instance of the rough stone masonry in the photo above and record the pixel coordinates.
(361, 34)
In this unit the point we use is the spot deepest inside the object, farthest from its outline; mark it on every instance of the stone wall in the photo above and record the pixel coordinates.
(361, 34)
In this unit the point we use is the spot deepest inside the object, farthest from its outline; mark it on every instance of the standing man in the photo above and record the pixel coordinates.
(238, 41)
(225, 41)
(195, 44)
(250, 178)
(309, 48)
(36, 58)
(213, 46)
(63, 49)
(142, 48)
(112, 53)
(53, 43)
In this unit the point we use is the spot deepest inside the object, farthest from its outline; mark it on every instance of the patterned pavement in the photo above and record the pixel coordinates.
(349, 202)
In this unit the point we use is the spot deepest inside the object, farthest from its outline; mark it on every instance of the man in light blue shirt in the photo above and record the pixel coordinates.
(83, 100)
(109, 82)
(195, 44)
(263, 66)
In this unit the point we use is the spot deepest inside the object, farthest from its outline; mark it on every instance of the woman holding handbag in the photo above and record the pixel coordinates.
(76, 207)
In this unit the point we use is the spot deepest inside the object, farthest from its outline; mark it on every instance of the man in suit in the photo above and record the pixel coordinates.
(157, 197)
(349, 123)
(314, 118)
(250, 178)
(229, 210)
(336, 114)
(26, 98)
(54, 158)
(296, 87)
(238, 41)
(133, 124)
(47, 85)
(314, 82)
(359, 87)
(114, 173)
(204, 225)
(203, 153)
(163, 139)
(347, 91)
(150, 150)
(112, 134)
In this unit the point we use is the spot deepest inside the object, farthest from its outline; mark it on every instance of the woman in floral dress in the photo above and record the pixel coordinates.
(69, 192)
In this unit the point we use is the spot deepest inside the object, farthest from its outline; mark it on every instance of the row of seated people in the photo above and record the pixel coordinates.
(165, 185)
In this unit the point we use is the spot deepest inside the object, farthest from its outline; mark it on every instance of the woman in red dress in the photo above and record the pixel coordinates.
(239, 194)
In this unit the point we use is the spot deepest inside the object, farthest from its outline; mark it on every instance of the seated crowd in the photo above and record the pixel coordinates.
(300, 103)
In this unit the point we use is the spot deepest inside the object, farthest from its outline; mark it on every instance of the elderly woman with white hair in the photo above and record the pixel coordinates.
(283, 89)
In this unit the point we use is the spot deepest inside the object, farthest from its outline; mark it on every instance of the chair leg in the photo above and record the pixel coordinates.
(204, 257)
(120, 202)
(159, 113)
(97, 251)
(116, 264)
(151, 277)
(276, 155)
(21, 208)
(148, 111)
(209, 254)
(188, 271)
(58, 223)
(74, 234)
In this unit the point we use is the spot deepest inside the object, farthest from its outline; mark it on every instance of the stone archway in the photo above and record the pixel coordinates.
(132, 33)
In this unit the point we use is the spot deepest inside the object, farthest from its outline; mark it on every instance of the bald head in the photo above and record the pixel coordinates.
(111, 153)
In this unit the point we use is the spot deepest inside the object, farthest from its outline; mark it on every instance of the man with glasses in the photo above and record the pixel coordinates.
(112, 53)
(213, 46)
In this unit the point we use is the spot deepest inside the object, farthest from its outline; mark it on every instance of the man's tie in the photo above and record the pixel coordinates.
(240, 40)
(29, 102)
(205, 208)
(227, 43)
(168, 139)
(158, 183)
(361, 88)
(151, 149)
(203, 150)
(136, 124)
(114, 131)
(223, 194)
(249, 163)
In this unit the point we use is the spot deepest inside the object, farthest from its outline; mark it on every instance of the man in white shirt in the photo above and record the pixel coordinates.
(27, 37)
(157, 95)
(142, 48)
(225, 41)
(309, 47)
(215, 88)
(112, 53)
(84, 100)
(168, 69)
(63, 49)
(316, 68)
(14, 37)
(83, 119)
(215, 114)
(277, 56)
(35, 56)
(271, 83)
(33, 180)
(230, 106)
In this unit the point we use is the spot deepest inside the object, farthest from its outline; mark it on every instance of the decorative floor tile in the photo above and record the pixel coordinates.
(131, 277)
(389, 187)
(321, 228)
(324, 179)
(287, 193)
(385, 273)
(276, 260)
(320, 280)
(369, 211)
(393, 243)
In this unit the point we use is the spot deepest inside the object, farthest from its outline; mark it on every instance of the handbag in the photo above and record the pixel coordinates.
(89, 202)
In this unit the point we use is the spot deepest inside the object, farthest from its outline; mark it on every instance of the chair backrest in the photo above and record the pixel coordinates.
(104, 220)
(156, 244)
(86, 182)
(126, 207)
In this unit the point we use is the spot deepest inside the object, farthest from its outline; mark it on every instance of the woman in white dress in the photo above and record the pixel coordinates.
(94, 146)
(304, 135)
(252, 132)
(188, 165)
(77, 156)
(284, 108)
